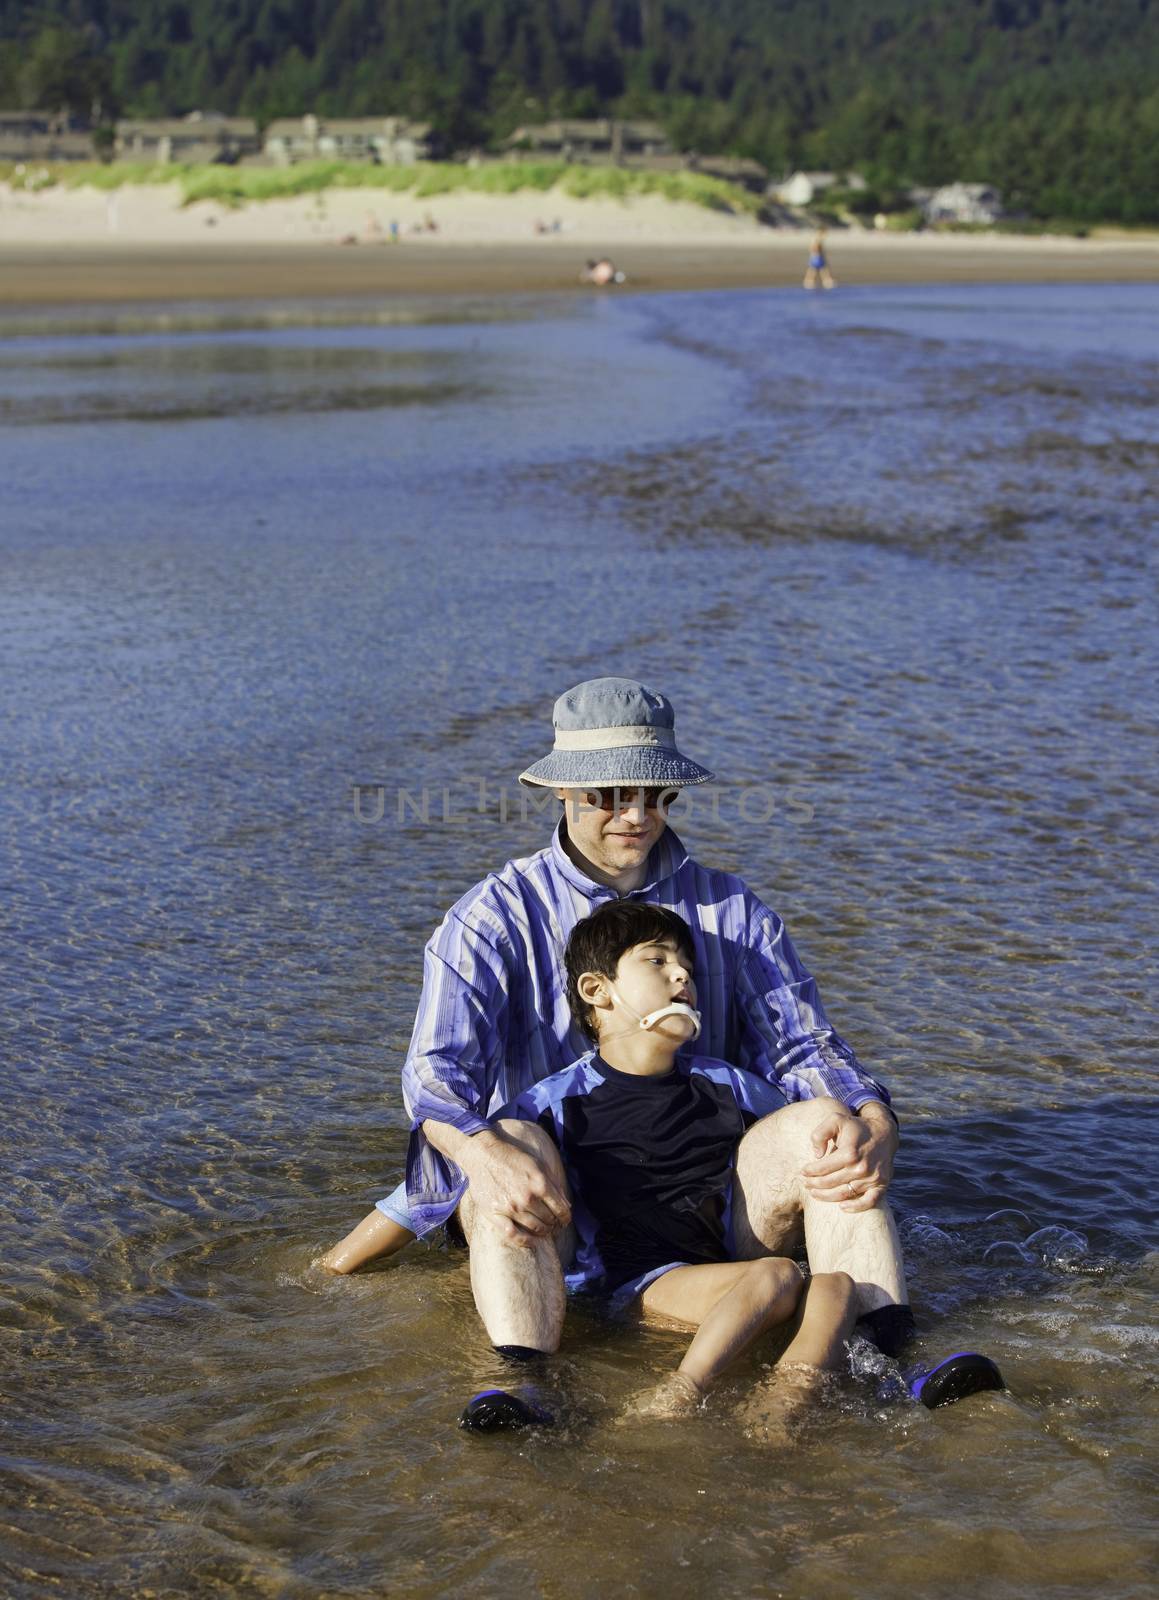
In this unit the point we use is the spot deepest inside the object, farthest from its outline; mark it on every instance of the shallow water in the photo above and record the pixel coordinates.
(890, 552)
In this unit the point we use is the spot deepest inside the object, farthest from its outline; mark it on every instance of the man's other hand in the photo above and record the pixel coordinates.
(853, 1158)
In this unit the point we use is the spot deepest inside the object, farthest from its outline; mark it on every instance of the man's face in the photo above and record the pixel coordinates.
(615, 828)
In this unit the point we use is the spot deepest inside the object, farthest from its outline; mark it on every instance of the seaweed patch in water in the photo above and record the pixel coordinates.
(366, 397)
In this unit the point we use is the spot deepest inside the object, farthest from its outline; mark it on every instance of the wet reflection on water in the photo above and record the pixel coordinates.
(145, 381)
(890, 555)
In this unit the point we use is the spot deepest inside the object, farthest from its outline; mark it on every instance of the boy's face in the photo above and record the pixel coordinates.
(649, 977)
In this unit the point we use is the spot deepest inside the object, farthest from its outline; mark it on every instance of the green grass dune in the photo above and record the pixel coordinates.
(238, 186)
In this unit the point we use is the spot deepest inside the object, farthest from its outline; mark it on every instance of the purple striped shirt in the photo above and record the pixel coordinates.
(493, 1016)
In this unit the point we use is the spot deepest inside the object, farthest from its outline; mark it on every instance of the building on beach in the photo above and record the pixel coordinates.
(978, 203)
(642, 146)
(386, 141)
(43, 136)
(201, 137)
(597, 140)
(803, 187)
(741, 170)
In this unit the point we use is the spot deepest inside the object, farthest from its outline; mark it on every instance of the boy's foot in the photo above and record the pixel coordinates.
(677, 1396)
(494, 1409)
(776, 1408)
(953, 1379)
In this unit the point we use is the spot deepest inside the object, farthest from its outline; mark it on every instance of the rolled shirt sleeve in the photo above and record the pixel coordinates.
(455, 1059)
(784, 1033)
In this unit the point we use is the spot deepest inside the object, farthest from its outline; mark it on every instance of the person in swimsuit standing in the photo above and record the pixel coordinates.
(817, 274)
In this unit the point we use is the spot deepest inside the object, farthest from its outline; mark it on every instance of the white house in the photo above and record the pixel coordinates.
(803, 187)
(388, 141)
(964, 202)
(598, 140)
(43, 136)
(200, 137)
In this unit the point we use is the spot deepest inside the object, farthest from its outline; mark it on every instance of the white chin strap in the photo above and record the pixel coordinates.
(678, 1008)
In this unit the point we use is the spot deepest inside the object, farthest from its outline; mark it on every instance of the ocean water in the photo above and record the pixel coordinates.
(285, 600)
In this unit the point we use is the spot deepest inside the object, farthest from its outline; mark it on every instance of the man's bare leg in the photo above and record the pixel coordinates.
(376, 1235)
(518, 1285)
(773, 1210)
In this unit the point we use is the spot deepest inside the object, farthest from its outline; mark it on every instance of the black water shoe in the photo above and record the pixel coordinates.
(519, 1355)
(953, 1379)
(494, 1409)
(890, 1328)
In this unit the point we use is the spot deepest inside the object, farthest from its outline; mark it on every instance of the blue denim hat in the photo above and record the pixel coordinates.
(612, 731)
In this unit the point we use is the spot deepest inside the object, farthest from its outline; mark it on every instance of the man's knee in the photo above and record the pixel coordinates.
(536, 1142)
(784, 1138)
(531, 1137)
(770, 1196)
(797, 1120)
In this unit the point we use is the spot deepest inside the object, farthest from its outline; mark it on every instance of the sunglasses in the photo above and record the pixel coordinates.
(618, 799)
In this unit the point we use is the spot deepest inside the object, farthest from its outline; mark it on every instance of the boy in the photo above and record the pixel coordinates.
(648, 1145)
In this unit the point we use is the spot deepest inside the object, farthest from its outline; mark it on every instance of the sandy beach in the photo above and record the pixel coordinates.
(140, 244)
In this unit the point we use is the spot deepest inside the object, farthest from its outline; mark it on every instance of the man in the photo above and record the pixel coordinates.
(494, 1018)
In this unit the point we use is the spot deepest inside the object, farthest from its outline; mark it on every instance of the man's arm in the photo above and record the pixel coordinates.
(786, 1038)
(505, 1181)
(450, 1078)
(851, 1148)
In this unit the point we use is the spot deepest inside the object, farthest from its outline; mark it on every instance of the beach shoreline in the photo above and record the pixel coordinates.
(34, 276)
(73, 247)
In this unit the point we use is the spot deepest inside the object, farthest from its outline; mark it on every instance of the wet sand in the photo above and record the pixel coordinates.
(38, 275)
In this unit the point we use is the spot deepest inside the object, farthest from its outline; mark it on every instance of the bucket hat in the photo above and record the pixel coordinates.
(614, 731)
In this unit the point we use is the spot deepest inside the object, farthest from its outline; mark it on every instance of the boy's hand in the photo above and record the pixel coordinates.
(853, 1158)
(513, 1189)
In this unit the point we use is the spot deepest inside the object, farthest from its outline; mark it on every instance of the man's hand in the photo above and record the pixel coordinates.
(853, 1157)
(509, 1186)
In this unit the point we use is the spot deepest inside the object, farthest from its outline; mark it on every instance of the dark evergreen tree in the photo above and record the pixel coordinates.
(1054, 101)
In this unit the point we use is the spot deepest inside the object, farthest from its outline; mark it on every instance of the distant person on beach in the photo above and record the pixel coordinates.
(602, 273)
(817, 274)
(493, 1020)
(648, 1143)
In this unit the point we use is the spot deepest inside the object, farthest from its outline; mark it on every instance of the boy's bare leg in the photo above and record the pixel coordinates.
(731, 1304)
(824, 1321)
(773, 1210)
(376, 1235)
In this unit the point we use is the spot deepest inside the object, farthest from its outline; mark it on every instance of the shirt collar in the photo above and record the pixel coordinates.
(665, 859)
(639, 1078)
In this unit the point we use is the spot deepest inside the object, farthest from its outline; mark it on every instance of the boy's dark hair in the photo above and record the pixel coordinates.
(598, 942)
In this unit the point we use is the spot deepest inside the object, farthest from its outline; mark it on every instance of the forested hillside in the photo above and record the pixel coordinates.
(1056, 101)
